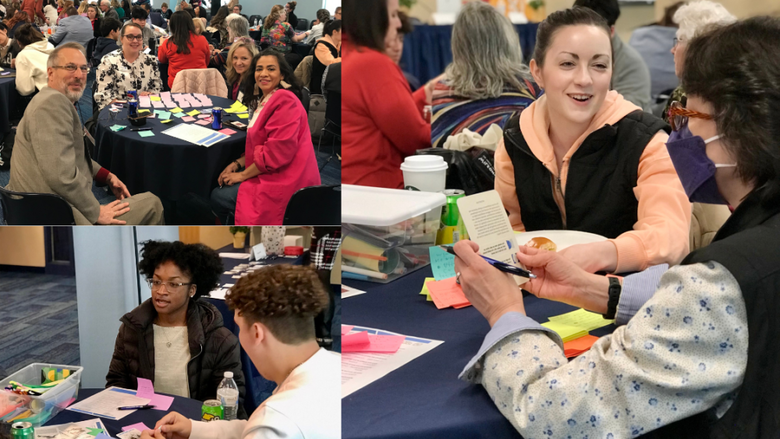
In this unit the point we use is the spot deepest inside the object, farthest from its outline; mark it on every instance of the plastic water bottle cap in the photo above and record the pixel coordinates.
(228, 374)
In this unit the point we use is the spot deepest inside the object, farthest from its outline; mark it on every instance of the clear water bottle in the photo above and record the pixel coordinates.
(227, 393)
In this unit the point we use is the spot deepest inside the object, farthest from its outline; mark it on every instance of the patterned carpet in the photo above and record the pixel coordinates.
(38, 321)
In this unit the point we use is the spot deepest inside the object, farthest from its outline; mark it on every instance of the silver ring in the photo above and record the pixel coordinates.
(457, 278)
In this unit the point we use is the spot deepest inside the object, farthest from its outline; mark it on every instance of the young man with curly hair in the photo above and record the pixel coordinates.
(174, 339)
(275, 309)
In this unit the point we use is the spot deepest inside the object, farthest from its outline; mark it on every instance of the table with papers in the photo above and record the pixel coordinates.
(423, 398)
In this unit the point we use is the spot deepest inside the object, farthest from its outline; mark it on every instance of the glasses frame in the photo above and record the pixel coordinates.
(73, 68)
(678, 115)
(169, 286)
(134, 37)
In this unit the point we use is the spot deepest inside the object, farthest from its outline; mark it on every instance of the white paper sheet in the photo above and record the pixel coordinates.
(195, 134)
(106, 403)
(359, 370)
(234, 255)
(349, 291)
(76, 430)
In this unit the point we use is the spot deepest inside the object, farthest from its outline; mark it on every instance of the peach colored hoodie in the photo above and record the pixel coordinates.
(661, 232)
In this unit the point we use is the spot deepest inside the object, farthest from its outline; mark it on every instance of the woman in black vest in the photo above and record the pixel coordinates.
(327, 51)
(698, 355)
(581, 157)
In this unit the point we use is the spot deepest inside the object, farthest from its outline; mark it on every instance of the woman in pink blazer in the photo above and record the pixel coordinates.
(279, 157)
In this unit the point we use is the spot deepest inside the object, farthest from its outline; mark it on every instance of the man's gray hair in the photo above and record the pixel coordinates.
(55, 54)
(105, 2)
(486, 53)
(696, 17)
(239, 27)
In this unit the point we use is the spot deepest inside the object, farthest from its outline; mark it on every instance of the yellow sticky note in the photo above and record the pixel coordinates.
(193, 113)
(143, 111)
(566, 332)
(582, 319)
(155, 98)
(177, 110)
(243, 116)
(357, 246)
(166, 121)
(425, 291)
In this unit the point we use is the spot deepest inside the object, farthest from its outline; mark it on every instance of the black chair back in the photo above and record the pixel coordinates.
(23, 209)
(333, 107)
(319, 205)
(259, 19)
(305, 98)
(303, 24)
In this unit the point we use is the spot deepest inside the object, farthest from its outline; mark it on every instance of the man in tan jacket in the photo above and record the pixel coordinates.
(50, 157)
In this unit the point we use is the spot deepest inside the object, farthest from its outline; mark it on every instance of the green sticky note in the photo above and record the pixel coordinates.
(179, 115)
(163, 114)
(582, 319)
(117, 128)
(567, 333)
(177, 110)
(442, 263)
(94, 431)
(146, 133)
(243, 116)
(193, 113)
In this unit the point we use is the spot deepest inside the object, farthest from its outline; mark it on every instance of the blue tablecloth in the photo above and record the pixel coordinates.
(186, 406)
(424, 398)
(257, 387)
(9, 102)
(428, 50)
(164, 165)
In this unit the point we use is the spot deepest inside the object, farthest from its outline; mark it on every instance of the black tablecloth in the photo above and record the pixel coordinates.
(164, 165)
(424, 398)
(258, 388)
(428, 50)
(186, 406)
(10, 100)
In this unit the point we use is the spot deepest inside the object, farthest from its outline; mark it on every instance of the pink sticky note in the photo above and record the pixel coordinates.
(378, 344)
(227, 131)
(139, 426)
(346, 328)
(158, 104)
(145, 388)
(161, 402)
(355, 340)
(188, 119)
(203, 122)
(446, 293)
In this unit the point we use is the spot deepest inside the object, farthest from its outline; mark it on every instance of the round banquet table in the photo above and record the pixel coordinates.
(190, 408)
(164, 165)
(9, 102)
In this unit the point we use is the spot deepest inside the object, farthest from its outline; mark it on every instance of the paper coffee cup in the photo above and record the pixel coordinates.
(425, 173)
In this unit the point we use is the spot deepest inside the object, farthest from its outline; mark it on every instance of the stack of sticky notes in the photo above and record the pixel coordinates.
(442, 263)
(447, 293)
(363, 342)
(578, 346)
(576, 324)
(237, 107)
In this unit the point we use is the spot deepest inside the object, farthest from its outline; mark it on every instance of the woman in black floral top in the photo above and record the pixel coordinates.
(127, 69)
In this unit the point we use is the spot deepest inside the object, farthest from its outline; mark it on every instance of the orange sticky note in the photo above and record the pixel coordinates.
(446, 293)
(578, 345)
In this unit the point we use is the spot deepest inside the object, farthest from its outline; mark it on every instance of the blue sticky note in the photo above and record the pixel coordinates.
(179, 115)
(163, 114)
(146, 133)
(442, 263)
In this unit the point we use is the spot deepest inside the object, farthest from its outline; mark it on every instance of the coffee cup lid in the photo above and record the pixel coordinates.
(423, 163)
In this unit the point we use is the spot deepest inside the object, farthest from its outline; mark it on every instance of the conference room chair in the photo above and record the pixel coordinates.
(303, 24)
(319, 205)
(25, 209)
(205, 81)
(332, 127)
(258, 18)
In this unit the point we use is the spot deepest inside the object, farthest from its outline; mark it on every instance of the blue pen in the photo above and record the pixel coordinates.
(500, 266)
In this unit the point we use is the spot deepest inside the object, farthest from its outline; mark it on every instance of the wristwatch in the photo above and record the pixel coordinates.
(614, 297)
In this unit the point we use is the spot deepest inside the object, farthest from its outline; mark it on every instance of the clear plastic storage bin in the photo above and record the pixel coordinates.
(387, 232)
(44, 407)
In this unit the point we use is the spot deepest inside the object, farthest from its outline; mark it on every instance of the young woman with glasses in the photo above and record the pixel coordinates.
(173, 338)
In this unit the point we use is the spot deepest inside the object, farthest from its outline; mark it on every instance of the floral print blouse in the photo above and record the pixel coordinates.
(683, 353)
(279, 36)
(115, 77)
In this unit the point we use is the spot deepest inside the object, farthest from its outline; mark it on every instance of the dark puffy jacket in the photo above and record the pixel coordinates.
(213, 350)
(103, 47)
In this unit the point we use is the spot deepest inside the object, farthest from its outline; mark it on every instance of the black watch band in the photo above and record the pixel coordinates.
(614, 297)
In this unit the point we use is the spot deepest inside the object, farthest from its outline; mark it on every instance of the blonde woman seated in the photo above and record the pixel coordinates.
(240, 56)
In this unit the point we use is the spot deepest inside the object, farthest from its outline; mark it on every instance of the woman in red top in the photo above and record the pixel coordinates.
(382, 119)
(185, 49)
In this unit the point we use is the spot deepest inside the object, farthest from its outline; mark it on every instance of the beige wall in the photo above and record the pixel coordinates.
(215, 237)
(22, 246)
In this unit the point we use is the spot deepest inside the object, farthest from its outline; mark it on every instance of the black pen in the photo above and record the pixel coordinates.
(137, 407)
(498, 265)
(141, 129)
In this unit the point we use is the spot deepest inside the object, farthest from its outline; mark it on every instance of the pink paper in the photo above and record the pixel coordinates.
(346, 328)
(166, 95)
(158, 104)
(188, 119)
(161, 402)
(227, 131)
(203, 122)
(355, 340)
(145, 388)
(378, 344)
(203, 116)
(139, 426)
(144, 101)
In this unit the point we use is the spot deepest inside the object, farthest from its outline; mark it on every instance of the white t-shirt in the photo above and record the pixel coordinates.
(171, 355)
(307, 405)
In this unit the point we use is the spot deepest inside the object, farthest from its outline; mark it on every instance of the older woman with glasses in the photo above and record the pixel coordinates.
(694, 356)
(173, 338)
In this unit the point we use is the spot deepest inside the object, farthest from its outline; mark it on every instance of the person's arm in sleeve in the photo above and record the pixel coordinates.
(25, 84)
(118, 374)
(39, 10)
(684, 353)
(162, 52)
(59, 34)
(505, 186)
(661, 233)
(205, 51)
(323, 54)
(218, 429)
(281, 145)
(55, 150)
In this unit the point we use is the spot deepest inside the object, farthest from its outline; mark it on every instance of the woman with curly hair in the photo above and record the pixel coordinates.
(174, 339)
(275, 309)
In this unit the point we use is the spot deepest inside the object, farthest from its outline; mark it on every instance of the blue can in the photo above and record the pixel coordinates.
(132, 94)
(132, 108)
(216, 118)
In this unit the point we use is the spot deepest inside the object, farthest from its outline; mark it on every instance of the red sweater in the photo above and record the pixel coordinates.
(198, 58)
(382, 120)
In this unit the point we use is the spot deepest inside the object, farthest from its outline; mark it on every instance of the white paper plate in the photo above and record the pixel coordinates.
(561, 238)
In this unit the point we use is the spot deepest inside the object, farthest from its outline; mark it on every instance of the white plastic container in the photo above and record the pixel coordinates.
(387, 232)
(52, 402)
